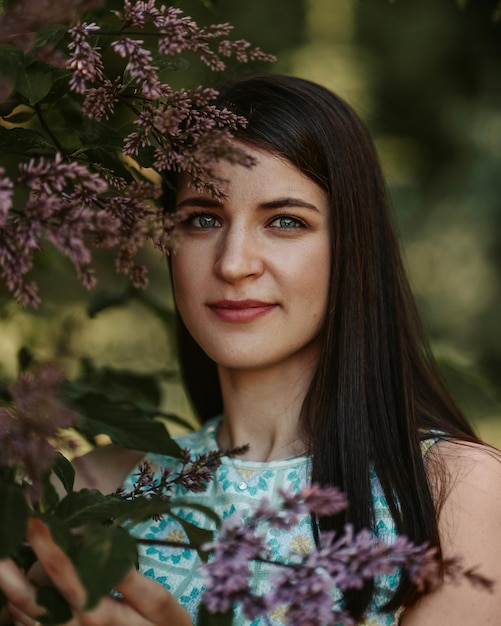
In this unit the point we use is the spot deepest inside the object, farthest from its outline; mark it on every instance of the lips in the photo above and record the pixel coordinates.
(241, 311)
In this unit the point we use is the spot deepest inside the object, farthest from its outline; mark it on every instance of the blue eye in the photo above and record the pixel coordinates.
(287, 222)
(203, 221)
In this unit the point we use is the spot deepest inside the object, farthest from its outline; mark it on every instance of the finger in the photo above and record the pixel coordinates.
(20, 618)
(56, 563)
(18, 590)
(111, 612)
(150, 599)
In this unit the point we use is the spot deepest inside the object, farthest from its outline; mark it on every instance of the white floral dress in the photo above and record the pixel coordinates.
(238, 486)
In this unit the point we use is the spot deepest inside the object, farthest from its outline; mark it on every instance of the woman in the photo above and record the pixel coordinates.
(298, 327)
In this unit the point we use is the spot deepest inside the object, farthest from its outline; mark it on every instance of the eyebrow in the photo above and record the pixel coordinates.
(207, 203)
(279, 203)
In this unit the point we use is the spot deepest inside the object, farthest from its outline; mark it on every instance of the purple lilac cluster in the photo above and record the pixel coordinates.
(186, 131)
(188, 134)
(78, 205)
(304, 584)
(66, 206)
(30, 425)
(85, 63)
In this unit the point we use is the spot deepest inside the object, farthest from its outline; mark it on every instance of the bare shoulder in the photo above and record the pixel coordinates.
(470, 528)
(105, 467)
(469, 473)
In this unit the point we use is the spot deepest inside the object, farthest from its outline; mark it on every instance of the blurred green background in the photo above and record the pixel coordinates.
(425, 75)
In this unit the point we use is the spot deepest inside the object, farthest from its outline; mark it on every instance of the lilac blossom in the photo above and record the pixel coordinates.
(139, 13)
(30, 425)
(227, 575)
(307, 593)
(194, 474)
(346, 563)
(306, 584)
(179, 33)
(79, 205)
(100, 101)
(188, 134)
(85, 62)
(140, 66)
(243, 52)
(6, 188)
(72, 207)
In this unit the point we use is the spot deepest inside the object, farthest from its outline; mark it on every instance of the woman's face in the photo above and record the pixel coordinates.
(251, 272)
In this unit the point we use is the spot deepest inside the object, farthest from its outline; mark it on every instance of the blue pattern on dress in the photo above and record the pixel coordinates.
(178, 569)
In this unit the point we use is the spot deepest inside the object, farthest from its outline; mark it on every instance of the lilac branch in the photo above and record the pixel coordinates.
(48, 130)
(183, 129)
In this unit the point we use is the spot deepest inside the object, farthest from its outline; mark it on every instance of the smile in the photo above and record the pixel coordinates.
(240, 311)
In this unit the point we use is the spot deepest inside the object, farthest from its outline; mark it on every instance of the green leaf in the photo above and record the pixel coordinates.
(34, 82)
(125, 423)
(24, 141)
(7, 106)
(105, 556)
(20, 117)
(59, 88)
(14, 513)
(204, 618)
(142, 508)
(87, 505)
(58, 611)
(60, 532)
(132, 432)
(179, 503)
(64, 470)
(51, 35)
(196, 536)
(462, 3)
(12, 61)
(122, 385)
(50, 497)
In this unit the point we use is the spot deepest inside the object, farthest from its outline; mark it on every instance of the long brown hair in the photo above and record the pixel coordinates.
(377, 390)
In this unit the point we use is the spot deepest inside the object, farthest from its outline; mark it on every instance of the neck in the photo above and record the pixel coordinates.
(262, 409)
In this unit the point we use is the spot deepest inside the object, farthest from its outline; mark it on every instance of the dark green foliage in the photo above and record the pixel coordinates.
(63, 469)
(13, 516)
(57, 609)
(104, 555)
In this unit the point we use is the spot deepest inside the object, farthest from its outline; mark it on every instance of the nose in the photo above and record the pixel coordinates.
(238, 256)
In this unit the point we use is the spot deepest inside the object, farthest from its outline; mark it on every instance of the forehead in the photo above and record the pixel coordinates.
(269, 175)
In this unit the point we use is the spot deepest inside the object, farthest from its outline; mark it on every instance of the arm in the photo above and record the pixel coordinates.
(105, 468)
(470, 527)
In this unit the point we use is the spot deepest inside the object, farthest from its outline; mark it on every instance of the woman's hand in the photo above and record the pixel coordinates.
(144, 602)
